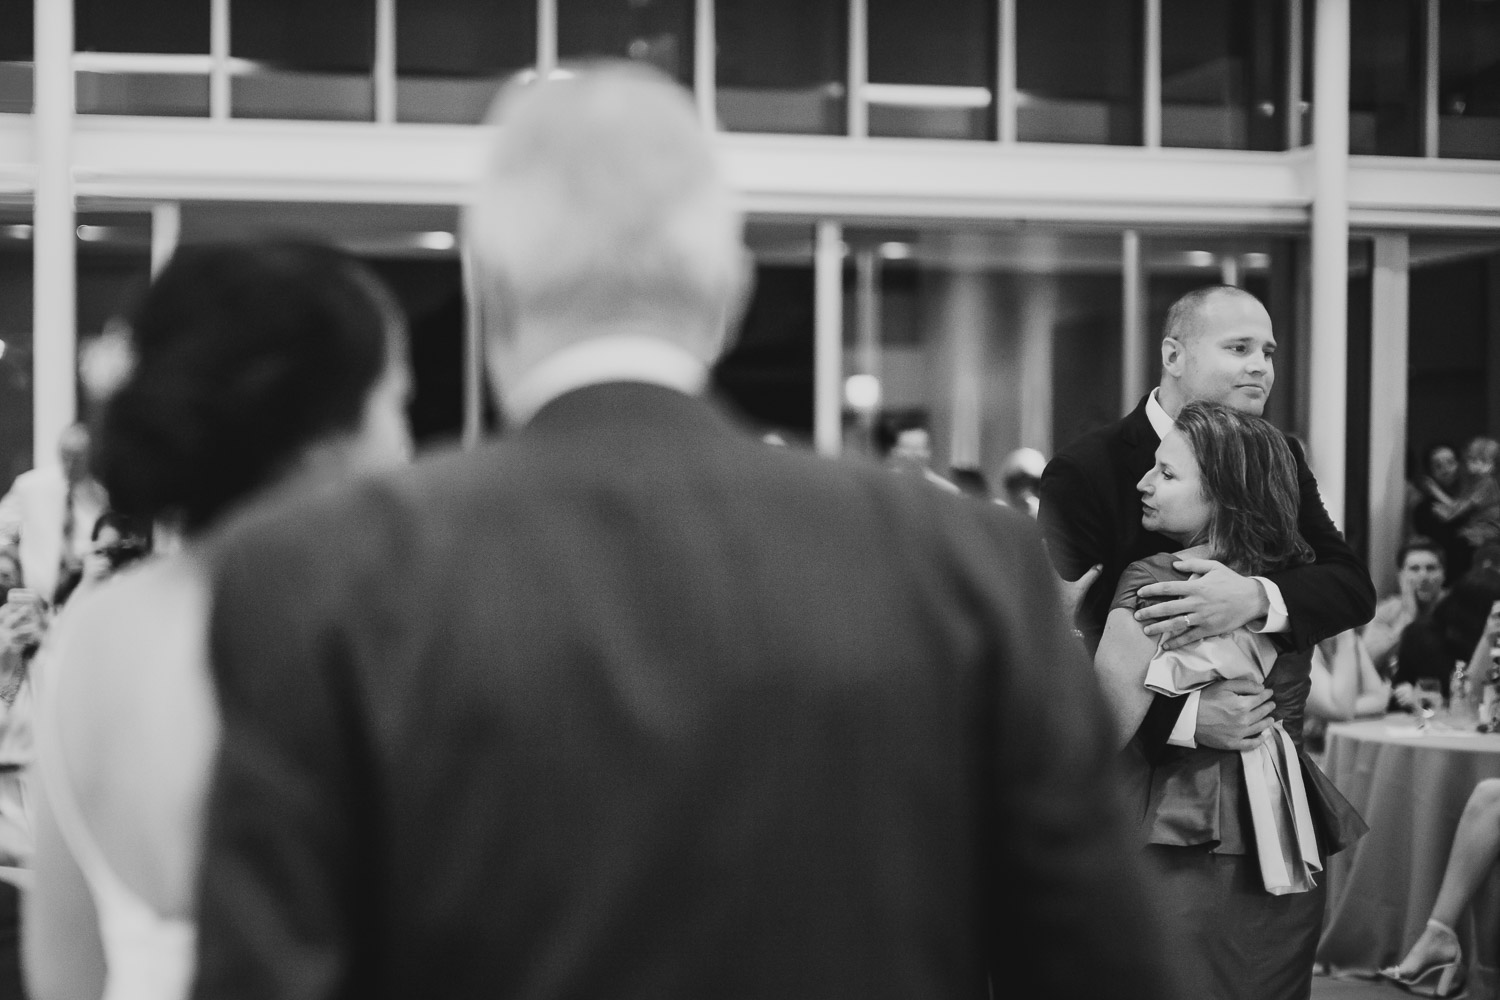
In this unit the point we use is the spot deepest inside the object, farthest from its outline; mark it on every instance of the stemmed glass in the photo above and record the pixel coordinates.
(1429, 696)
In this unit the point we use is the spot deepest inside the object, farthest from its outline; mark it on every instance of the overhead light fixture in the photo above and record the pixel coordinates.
(862, 392)
(437, 239)
(1201, 258)
(1257, 261)
(93, 234)
(18, 231)
(916, 95)
(895, 251)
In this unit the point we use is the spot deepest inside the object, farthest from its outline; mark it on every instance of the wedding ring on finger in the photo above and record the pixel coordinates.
(1187, 621)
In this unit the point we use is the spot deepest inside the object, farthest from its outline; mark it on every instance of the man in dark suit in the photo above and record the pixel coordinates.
(1217, 346)
(630, 704)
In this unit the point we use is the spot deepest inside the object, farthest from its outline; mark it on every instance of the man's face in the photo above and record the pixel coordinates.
(1423, 573)
(1227, 359)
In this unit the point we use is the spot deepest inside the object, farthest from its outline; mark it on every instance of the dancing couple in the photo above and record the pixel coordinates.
(1204, 568)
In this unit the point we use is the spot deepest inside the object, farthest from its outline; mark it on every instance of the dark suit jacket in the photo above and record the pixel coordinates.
(1091, 513)
(632, 705)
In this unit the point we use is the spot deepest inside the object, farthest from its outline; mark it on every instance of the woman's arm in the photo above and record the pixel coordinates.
(62, 954)
(1334, 680)
(1124, 653)
(1374, 691)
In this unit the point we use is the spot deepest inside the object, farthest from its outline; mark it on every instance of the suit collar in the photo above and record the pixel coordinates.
(1136, 428)
(630, 407)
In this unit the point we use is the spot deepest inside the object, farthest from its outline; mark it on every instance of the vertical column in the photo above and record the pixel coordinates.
(1294, 42)
(705, 63)
(867, 334)
(1005, 82)
(1431, 56)
(1388, 372)
(1229, 269)
(166, 229)
(828, 338)
(1133, 313)
(473, 373)
(218, 53)
(857, 109)
(1151, 89)
(385, 62)
(1038, 320)
(54, 243)
(546, 36)
(966, 316)
(1328, 419)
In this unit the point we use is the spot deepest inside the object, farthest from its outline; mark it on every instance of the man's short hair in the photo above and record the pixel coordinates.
(1420, 543)
(1184, 318)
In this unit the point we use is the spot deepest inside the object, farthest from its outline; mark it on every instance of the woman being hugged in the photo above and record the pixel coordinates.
(245, 370)
(1237, 838)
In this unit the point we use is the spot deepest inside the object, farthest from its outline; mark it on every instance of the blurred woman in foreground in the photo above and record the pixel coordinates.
(251, 369)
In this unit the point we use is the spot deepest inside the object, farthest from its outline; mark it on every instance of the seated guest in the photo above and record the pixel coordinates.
(1437, 485)
(1345, 683)
(1420, 575)
(281, 366)
(1474, 513)
(1435, 964)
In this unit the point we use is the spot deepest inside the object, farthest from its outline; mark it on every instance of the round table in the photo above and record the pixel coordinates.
(1411, 788)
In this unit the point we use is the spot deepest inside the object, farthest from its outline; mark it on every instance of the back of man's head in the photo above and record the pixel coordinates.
(602, 204)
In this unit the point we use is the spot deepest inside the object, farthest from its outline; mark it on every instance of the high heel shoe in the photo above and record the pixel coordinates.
(1436, 979)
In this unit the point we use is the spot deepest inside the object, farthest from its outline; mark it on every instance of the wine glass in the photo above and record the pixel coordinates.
(1429, 696)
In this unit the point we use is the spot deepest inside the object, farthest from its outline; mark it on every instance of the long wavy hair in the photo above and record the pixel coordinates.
(1249, 478)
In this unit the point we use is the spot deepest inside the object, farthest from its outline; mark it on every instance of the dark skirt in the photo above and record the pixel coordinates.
(1229, 939)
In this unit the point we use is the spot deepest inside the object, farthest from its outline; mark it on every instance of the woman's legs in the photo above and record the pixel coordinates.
(1475, 847)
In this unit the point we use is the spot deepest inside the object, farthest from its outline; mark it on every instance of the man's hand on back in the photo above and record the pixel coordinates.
(1217, 602)
(1233, 714)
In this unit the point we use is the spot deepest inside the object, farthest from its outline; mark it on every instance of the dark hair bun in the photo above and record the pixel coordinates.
(243, 355)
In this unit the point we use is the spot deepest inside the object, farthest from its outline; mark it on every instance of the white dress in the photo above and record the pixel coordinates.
(147, 956)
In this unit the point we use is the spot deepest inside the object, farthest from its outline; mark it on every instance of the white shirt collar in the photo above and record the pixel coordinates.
(1160, 422)
(615, 358)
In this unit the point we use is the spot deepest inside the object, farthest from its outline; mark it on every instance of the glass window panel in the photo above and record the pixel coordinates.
(1078, 71)
(158, 26)
(314, 59)
(1469, 79)
(167, 94)
(782, 65)
(430, 293)
(659, 32)
(1385, 77)
(16, 39)
(768, 373)
(16, 397)
(933, 67)
(1223, 73)
(451, 56)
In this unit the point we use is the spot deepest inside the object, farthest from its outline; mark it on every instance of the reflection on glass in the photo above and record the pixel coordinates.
(1223, 73)
(1078, 71)
(1469, 79)
(15, 60)
(156, 26)
(312, 60)
(932, 68)
(781, 65)
(15, 333)
(167, 94)
(451, 56)
(1385, 77)
(659, 32)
